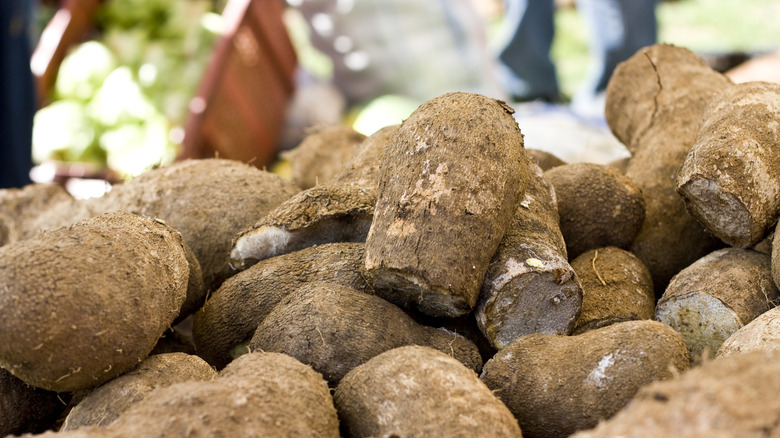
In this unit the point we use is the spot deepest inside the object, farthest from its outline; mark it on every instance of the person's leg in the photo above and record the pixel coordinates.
(617, 29)
(525, 68)
(17, 94)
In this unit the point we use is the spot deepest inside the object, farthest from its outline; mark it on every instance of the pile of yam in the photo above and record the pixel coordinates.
(435, 278)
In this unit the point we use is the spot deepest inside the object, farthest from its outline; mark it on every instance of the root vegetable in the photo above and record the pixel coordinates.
(335, 328)
(556, 385)
(530, 286)
(616, 286)
(86, 303)
(730, 180)
(418, 391)
(762, 333)
(544, 159)
(717, 295)
(322, 154)
(24, 409)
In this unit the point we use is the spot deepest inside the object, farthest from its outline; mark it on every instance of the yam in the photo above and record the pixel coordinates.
(86, 303)
(717, 295)
(24, 409)
(107, 402)
(23, 209)
(322, 154)
(419, 391)
(230, 317)
(723, 398)
(545, 160)
(616, 286)
(448, 187)
(730, 180)
(556, 385)
(334, 329)
(762, 333)
(654, 103)
(529, 286)
(598, 206)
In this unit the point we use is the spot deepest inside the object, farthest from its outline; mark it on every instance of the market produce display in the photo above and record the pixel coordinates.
(176, 305)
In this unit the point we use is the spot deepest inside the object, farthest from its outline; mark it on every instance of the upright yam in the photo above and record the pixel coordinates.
(335, 328)
(418, 391)
(529, 286)
(338, 211)
(86, 303)
(655, 101)
(557, 385)
(616, 286)
(730, 180)
(230, 317)
(714, 297)
(448, 186)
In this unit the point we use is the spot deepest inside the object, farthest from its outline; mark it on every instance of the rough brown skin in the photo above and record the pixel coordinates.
(556, 385)
(234, 311)
(529, 286)
(447, 190)
(616, 287)
(335, 328)
(338, 211)
(209, 201)
(21, 208)
(655, 101)
(715, 296)
(322, 154)
(24, 409)
(774, 253)
(86, 303)
(598, 206)
(545, 160)
(418, 391)
(727, 397)
(730, 180)
(762, 333)
(104, 404)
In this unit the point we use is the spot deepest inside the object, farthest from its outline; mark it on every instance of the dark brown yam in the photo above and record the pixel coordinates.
(530, 286)
(448, 187)
(24, 409)
(234, 311)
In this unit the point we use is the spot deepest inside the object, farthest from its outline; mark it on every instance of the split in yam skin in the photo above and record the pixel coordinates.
(654, 102)
(529, 286)
(556, 385)
(334, 329)
(762, 333)
(106, 403)
(616, 286)
(338, 211)
(714, 297)
(419, 391)
(448, 187)
(230, 317)
(85, 303)
(730, 180)
(727, 397)
(598, 206)
(322, 154)
(24, 409)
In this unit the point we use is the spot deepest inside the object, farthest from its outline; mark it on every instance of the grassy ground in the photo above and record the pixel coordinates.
(704, 26)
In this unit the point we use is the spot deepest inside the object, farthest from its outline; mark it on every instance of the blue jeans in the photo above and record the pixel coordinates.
(616, 30)
(17, 93)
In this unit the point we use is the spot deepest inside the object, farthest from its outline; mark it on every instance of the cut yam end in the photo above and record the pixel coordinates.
(722, 213)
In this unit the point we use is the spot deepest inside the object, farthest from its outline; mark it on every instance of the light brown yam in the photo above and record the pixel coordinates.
(530, 286)
(724, 398)
(335, 328)
(448, 187)
(730, 180)
(24, 409)
(616, 286)
(322, 154)
(226, 323)
(556, 385)
(598, 206)
(545, 160)
(209, 201)
(338, 211)
(108, 401)
(86, 303)
(762, 333)
(655, 101)
(418, 391)
(714, 297)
